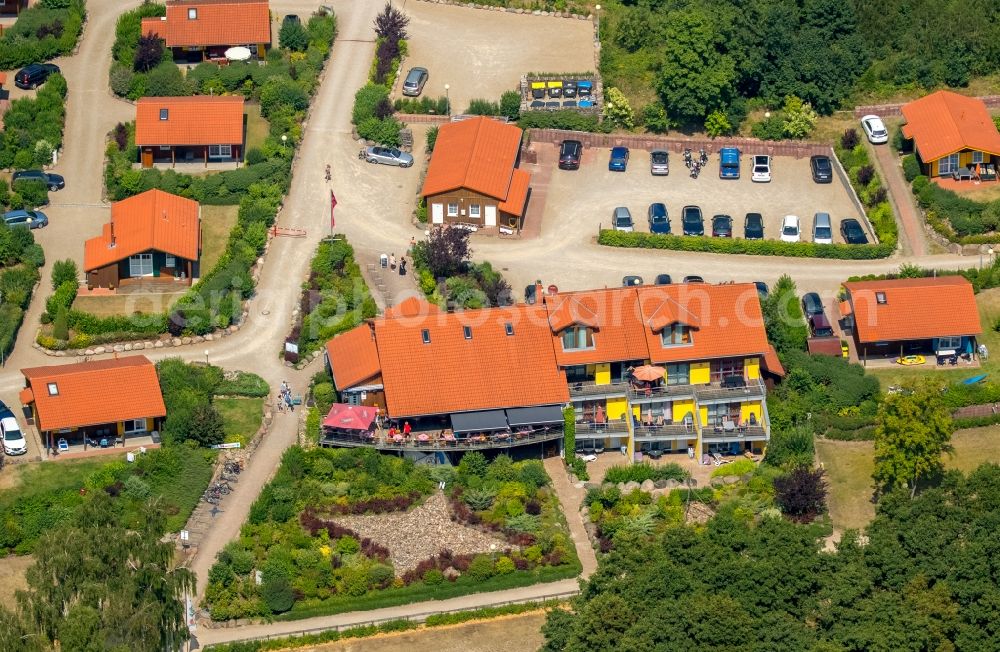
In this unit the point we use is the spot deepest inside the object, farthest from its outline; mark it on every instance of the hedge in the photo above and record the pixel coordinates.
(20, 258)
(873, 194)
(563, 119)
(422, 106)
(641, 240)
(42, 32)
(911, 167)
(956, 217)
(33, 128)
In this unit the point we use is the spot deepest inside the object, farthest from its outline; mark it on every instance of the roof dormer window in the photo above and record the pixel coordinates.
(192, 13)
(676, 335)
(508, 328)
(577, 337)
(425, 335)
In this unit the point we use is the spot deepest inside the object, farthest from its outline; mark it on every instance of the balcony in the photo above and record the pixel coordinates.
(717, 393)
(719, 435)
(615, 427)
(589, 389)
(479, 442)
(660, 393)
(665, 432)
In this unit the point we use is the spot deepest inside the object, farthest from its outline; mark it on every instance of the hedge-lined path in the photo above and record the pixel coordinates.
(571, 498)
(908, 215)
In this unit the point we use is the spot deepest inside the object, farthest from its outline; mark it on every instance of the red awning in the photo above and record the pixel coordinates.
(350, 417)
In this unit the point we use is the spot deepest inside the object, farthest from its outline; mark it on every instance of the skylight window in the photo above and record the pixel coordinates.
(425, 335)
(508, 328)
(53, 389)
(880, 298)
(164, 113)
(467, 331)
(192, 13)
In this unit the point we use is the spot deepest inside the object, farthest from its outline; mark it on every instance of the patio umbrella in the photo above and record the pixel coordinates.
(239, 53)
(649, 373)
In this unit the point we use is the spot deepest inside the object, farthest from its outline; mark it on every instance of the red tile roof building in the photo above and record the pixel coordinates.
(213, 24)
(575, 347)
(198, 128)
(473, 176)
(105, 398)
(157, 225)
(950, 131)
(913, 315)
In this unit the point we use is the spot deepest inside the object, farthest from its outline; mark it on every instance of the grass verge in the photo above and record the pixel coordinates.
(241, 417)
(216, 224)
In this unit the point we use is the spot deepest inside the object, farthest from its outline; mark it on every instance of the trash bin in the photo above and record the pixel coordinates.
(383, 261)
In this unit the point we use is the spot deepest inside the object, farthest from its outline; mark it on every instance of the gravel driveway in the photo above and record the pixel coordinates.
(481, 54)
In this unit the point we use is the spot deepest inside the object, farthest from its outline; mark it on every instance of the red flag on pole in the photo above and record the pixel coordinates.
(333, 204)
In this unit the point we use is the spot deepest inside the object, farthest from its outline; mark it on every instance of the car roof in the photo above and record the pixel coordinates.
(658, 151)
(619, 150)
(755, 216)
(9, 419)
(721, 217)
(819, 157)
(850, 221)
(760, 156)
(658, 205)
(789, 219)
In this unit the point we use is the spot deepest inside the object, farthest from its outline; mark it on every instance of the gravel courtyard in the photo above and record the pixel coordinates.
(493, 50)
(413, 536)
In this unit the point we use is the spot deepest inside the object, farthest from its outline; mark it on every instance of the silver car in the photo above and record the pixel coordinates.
(414, 82)
(622, 219)
(659, 162)
(388, 156)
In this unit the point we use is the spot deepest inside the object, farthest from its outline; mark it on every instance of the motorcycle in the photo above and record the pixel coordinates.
(702, 156)
(695, 169)
(687, 157)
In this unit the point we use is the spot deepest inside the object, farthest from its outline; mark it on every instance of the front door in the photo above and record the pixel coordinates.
(437, 213)
(147, 157)
(491, 216)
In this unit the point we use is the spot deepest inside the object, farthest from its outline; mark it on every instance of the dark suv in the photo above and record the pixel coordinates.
(722, 226)
(50, 179)
(753, 226)
(692, 221)
(569, 154)
(822, 169)
(34, 75)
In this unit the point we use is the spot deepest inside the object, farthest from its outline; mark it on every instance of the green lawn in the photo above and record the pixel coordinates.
(241, 417)
(36, 497)
(849, 466)
(216, 223)
(257, 126)
(989, 312)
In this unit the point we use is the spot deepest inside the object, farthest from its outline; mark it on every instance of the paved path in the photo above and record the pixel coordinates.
(910, 221)
(571, 498)
(466, 602)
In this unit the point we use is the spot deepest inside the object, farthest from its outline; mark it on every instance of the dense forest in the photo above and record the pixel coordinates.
(923, 577)
(730, 55)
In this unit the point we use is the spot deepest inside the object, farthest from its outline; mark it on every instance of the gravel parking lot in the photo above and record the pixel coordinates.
(585, 198)
(481, 54)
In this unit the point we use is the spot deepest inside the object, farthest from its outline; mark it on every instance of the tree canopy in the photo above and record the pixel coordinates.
(921, 581)
(97, 585)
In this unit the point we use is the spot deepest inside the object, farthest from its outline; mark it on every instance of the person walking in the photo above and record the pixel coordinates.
(392, 261)
(327, 171)
(402, 266)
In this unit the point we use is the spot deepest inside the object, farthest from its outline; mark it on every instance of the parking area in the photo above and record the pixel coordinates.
(584, 199)
(481, 54)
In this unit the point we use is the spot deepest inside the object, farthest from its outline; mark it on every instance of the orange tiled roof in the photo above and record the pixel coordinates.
(150, 220)
(489, 370)
(92, 393)
(943, 123)
(477, 154)
(198, 120)
(728, 320)
(353, 356)
(772, 364)
(412, 307)
(218, 22)
(914, 309)
(613, 314)
(517, 195)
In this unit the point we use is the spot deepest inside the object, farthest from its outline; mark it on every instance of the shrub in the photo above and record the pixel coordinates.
(510, 105)
(135, 488)
(293, 36)
(433, 577)
(148, 53)
(654, 118)
(801, 493)
(60, 324)
(790, 447)
(911, 167)
(849, 139)
(562, 119)
(277, 594)
(481, 568)
(64, 271)
(62, 298)
(432, 135)
(644, 471)
(384, 132)
(480, 106)
(617, 109)
(42, 32)
(735, 468)
(505, 566)
(770, 128)
(865, 174)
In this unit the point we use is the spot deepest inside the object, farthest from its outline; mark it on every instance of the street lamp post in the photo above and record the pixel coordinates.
(447, 99)
(597, 13)
(284, 140)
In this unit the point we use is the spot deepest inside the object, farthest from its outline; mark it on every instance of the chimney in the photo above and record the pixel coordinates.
(165, 215)
(112, 245)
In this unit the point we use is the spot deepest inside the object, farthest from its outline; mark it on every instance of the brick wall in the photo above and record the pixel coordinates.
(890, 110)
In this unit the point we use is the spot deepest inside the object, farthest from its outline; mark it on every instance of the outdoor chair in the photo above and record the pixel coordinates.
(63, 445)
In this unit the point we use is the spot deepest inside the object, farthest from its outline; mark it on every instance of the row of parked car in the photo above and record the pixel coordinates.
(32, 219)
(693, 223)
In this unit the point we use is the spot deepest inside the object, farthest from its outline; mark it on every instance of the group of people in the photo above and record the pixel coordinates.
(285, 398)
(401, 266)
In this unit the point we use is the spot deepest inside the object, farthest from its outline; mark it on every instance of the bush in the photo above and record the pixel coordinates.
(562, 119)
(510, 105)
(64, 271)
(293, 36)
(433, 577)
(62, 298)
(735, 468)
(60, 324)
(481, 568)
(849, 139)
(422, 106)
(479, 106)
(644, 471)
(432, 136)
(384, 132)
(42, 32)
(801, 493)
(28, 123)
(642, 240)
(911, 167)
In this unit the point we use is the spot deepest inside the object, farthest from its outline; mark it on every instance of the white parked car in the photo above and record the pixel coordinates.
(13, 439)
(761, 168)
(875, 129)
(790, 230)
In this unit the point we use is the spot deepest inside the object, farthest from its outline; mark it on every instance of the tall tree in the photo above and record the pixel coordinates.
(912, 431)
(97, 585)
(694, 77)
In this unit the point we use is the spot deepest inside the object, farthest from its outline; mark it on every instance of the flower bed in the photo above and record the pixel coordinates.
(316, 560)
